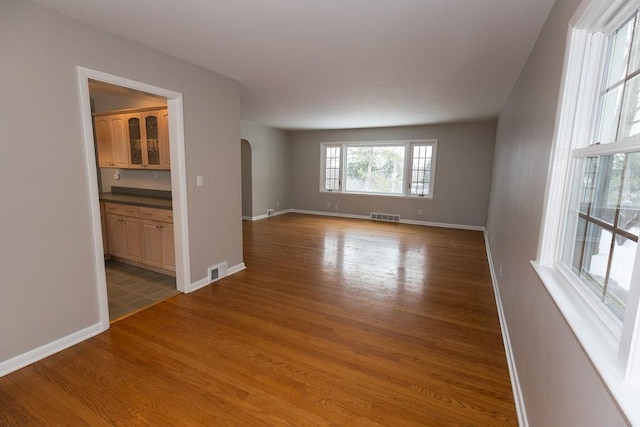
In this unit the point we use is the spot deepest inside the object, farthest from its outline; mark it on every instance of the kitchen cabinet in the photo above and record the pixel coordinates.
(111, 141)
(145, 142)
(141, 234)
(157, 238)
(124, 237)
(163, 133)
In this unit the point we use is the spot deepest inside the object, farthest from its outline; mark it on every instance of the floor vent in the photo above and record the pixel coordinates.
(385, 217)
(217, 271)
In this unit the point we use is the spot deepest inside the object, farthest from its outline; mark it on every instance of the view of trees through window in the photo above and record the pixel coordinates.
(378, 169)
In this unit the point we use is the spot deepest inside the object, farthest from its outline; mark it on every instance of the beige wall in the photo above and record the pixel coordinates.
(559, 384)
(47, 263)
(463, 173)
(270, 168)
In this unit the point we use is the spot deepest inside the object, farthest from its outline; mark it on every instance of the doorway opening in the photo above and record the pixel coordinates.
(134, 180)
(149, 220)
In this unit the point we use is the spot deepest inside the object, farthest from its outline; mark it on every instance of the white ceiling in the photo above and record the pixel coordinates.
(318, 64)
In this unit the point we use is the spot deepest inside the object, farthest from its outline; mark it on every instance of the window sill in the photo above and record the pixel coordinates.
(392, 196)
(595, 339)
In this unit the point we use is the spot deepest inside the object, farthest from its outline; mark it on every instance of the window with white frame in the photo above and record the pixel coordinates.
(394, 168)
(592, 218)
(603, 218)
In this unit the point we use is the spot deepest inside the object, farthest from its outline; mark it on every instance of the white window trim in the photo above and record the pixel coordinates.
(617, 361)
(408, 144)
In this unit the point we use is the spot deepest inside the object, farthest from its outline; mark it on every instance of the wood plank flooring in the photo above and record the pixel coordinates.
(334, 322)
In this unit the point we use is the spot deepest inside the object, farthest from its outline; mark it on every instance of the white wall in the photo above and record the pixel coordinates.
(559, 384)
(463, 173)
(270, 167)
(48, 273)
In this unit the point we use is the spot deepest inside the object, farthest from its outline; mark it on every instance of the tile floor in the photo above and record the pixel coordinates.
(131, 288)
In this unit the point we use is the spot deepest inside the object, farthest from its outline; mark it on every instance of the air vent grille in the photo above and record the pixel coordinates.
(376, 216)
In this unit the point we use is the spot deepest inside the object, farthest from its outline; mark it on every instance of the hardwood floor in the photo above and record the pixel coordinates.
(334, 322)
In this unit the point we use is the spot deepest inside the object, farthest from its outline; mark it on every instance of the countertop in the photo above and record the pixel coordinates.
(133, 199)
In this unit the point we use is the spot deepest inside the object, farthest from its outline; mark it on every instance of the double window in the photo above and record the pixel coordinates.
(395, 168)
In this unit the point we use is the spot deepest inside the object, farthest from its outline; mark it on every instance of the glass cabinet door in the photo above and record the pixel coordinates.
(152, 140)
(135, 141)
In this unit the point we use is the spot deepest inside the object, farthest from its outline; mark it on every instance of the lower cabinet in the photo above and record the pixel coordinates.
(140, 234)
(124, 237)
(158, 247)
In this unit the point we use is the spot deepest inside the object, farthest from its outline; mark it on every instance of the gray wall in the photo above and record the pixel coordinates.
(270, 168)
(559, 384)
(47, 264)
(463, 173)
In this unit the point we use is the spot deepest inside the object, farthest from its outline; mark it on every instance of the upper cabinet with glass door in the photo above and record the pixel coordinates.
(145, 144)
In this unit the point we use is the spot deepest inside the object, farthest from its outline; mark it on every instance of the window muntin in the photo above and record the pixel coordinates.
(394, 168)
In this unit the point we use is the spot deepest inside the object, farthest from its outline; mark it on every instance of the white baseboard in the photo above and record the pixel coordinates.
(513, 372)
(402, 221)
(47, 350)
(206, 281)
(443, 225)
(236, 268)
(259, 217)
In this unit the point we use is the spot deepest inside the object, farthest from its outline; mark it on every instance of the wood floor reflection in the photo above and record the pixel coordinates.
(334, 322)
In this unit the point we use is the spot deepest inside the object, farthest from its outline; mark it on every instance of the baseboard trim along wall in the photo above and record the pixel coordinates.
(259, 217)
(367, 217)
(47, 350)
(402, 221)
(206, 281)
(63, 343)
(513, 372)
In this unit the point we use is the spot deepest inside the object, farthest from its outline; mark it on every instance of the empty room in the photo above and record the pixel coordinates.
(357, 212)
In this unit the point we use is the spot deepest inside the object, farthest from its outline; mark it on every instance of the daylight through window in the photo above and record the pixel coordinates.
(397, 168)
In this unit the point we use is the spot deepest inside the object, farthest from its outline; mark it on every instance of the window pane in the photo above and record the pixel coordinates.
(619, 51)
(574, 258)
(332, 168)
(375, 169)
(421, 170)
(635, 52)
(606, 194)
(624, 253)
(629, 219)
(595, 257)
(588, 180)
(609, 114)
(630, 118)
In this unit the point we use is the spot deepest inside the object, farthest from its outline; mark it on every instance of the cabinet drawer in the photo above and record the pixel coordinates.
(162, 215)
(119, 209)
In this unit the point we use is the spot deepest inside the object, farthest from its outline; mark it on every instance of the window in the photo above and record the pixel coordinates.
(396, 168)
(604, 217)
(588, 257)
